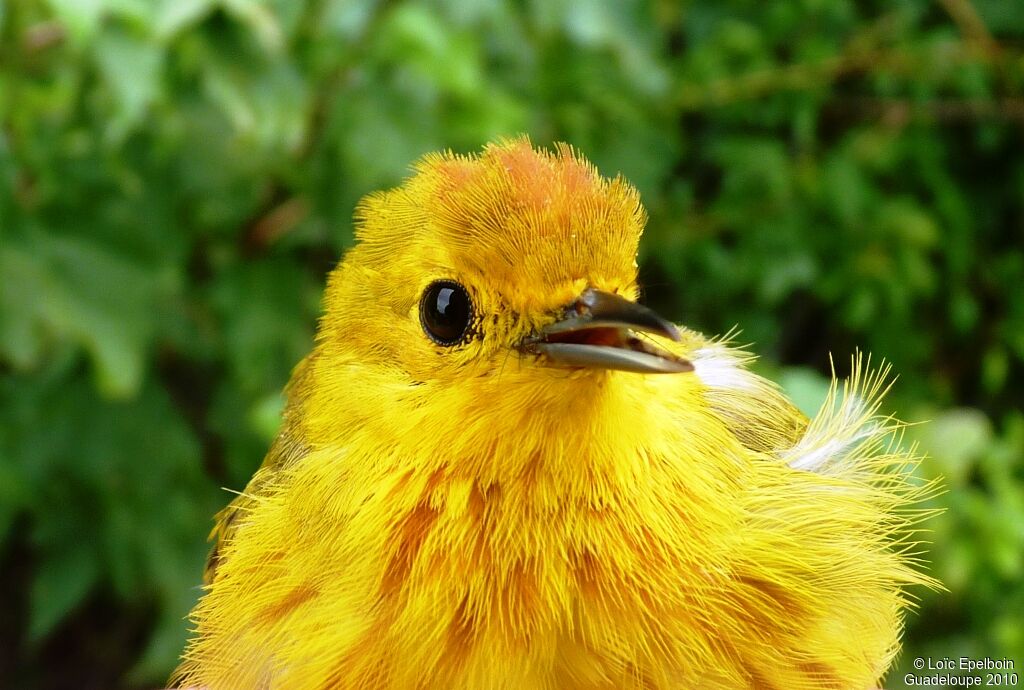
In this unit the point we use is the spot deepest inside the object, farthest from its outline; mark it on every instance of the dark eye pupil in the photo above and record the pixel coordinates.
(445, 312)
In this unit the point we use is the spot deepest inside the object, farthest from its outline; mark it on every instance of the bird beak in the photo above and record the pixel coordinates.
(598, 331)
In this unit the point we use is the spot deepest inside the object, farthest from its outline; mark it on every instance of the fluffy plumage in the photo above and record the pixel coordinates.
(470, 518)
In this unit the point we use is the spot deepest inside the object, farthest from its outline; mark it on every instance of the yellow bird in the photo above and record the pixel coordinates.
(498, 471)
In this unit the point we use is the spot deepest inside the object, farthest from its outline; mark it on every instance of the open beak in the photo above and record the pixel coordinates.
(599, 331)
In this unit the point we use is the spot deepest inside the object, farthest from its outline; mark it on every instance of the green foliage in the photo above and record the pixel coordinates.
(177, 177)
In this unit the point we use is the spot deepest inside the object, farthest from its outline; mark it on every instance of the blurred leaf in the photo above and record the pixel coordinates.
(121, 498)
(20, 339)
(259, 19)
(414, 36)
(14, 494)
(64, 578)
(81, 17)
(807, 389)
(268, 320)
(346, 19)
(175, 15)
(266, 105)
(265, 416)
(131, 66)
(102, 301)
(956, 439)
(1001, 16)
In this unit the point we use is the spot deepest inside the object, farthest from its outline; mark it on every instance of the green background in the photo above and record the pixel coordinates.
(177, 177)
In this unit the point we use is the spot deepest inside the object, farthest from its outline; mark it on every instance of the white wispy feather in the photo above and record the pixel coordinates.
(719, 366)
(847, 425)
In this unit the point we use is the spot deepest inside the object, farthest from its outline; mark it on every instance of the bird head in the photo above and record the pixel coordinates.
(514, 257)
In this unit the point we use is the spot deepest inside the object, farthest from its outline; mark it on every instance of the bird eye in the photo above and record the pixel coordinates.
(445, 312)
